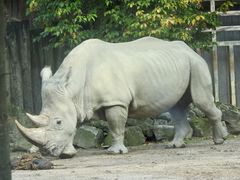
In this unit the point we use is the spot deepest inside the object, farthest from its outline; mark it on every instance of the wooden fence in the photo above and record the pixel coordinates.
(224, 62)
(26, 59)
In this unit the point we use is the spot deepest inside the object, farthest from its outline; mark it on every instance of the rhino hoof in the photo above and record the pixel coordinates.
(176, 145)
(34, 149)
(218, 141)
(117, 149)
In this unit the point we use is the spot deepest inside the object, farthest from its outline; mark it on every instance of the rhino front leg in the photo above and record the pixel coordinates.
(117, 117)
(34, 149)
(181, 126)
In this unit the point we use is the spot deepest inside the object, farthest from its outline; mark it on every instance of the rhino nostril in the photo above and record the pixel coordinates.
(54, 149)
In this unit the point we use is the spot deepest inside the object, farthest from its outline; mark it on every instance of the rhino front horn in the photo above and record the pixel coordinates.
(39, 120)
(36, 136)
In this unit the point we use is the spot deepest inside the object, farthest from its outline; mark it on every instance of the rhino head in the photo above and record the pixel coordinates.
(56, 124)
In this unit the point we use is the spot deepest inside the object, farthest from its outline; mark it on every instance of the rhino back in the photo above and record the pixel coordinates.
(149, 76)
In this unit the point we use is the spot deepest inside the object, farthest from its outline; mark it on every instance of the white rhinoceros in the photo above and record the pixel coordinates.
(114, 81)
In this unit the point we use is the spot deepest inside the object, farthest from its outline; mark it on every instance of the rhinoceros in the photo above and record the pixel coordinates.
(114, 81)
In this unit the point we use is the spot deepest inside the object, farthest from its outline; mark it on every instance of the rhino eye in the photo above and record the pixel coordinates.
(59, 122)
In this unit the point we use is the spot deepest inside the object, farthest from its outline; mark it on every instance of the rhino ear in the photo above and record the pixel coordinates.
(67, 77)
(46, 73)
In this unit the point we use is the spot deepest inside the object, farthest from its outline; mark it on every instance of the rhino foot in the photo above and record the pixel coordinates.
(175, 144)
(34, 149)
(117, 149)
(219, 133)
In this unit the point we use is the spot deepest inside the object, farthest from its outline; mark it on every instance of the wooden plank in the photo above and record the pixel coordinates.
(228, 36)
(237, 73)
(232, 75)
(213, 0)
(198, 50)
(223, 75)
(228, 43)
(207, 56)
(224, 28)
(215, 74)
(229, 13)
(214, 58)
(212, 5)
(228, 28)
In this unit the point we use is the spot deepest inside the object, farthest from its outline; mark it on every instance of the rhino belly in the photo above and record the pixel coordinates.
(146, 108)
(150, 101)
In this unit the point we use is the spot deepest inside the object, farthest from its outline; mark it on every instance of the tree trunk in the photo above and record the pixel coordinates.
(5, 169)
(36, 81)
(26, 67)
(16, 74)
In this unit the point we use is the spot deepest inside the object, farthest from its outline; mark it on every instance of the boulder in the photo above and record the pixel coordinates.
(133, 137)
(133, 122)
(162, 132)
(231, 116)
(165, 116)
(147, 128)
(201, 127)
(100, 124)
(88, 137)
(232, 120)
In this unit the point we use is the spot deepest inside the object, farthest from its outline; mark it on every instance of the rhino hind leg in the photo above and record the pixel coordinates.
(181, 126)
(117, 117)
(202, 96)
(219, 129)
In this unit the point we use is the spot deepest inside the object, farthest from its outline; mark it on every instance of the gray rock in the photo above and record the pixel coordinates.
(166, 116)
(162, 132)
(163, 122)
(133, 122)
(201, 126)
(88, 137)
(199, 123)
(17, 141)
(195, 112)
(133, 137)
(232, 120)
(101, 124)
(147, 128)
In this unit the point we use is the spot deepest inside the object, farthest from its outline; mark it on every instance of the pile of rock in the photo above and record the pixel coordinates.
(95, 133)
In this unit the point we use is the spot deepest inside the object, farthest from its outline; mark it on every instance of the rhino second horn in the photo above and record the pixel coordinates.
(39, 120)
(36, 136)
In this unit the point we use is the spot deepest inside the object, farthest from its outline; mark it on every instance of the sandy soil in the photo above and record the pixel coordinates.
(199, 160)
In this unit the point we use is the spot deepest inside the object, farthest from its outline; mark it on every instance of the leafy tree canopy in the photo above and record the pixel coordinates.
(69, 22)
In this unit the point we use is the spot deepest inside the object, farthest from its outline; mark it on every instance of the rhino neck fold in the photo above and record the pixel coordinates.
(74, 67)
(81, 97)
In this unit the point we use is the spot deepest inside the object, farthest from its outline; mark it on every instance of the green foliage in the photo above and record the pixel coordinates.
(69, 22)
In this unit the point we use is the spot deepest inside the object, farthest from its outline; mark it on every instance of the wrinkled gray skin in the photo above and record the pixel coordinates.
(142, 78)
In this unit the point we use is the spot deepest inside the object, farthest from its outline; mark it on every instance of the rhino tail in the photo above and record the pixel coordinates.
(201, 84)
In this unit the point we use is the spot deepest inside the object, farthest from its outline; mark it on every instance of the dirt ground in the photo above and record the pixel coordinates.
(199, 160)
